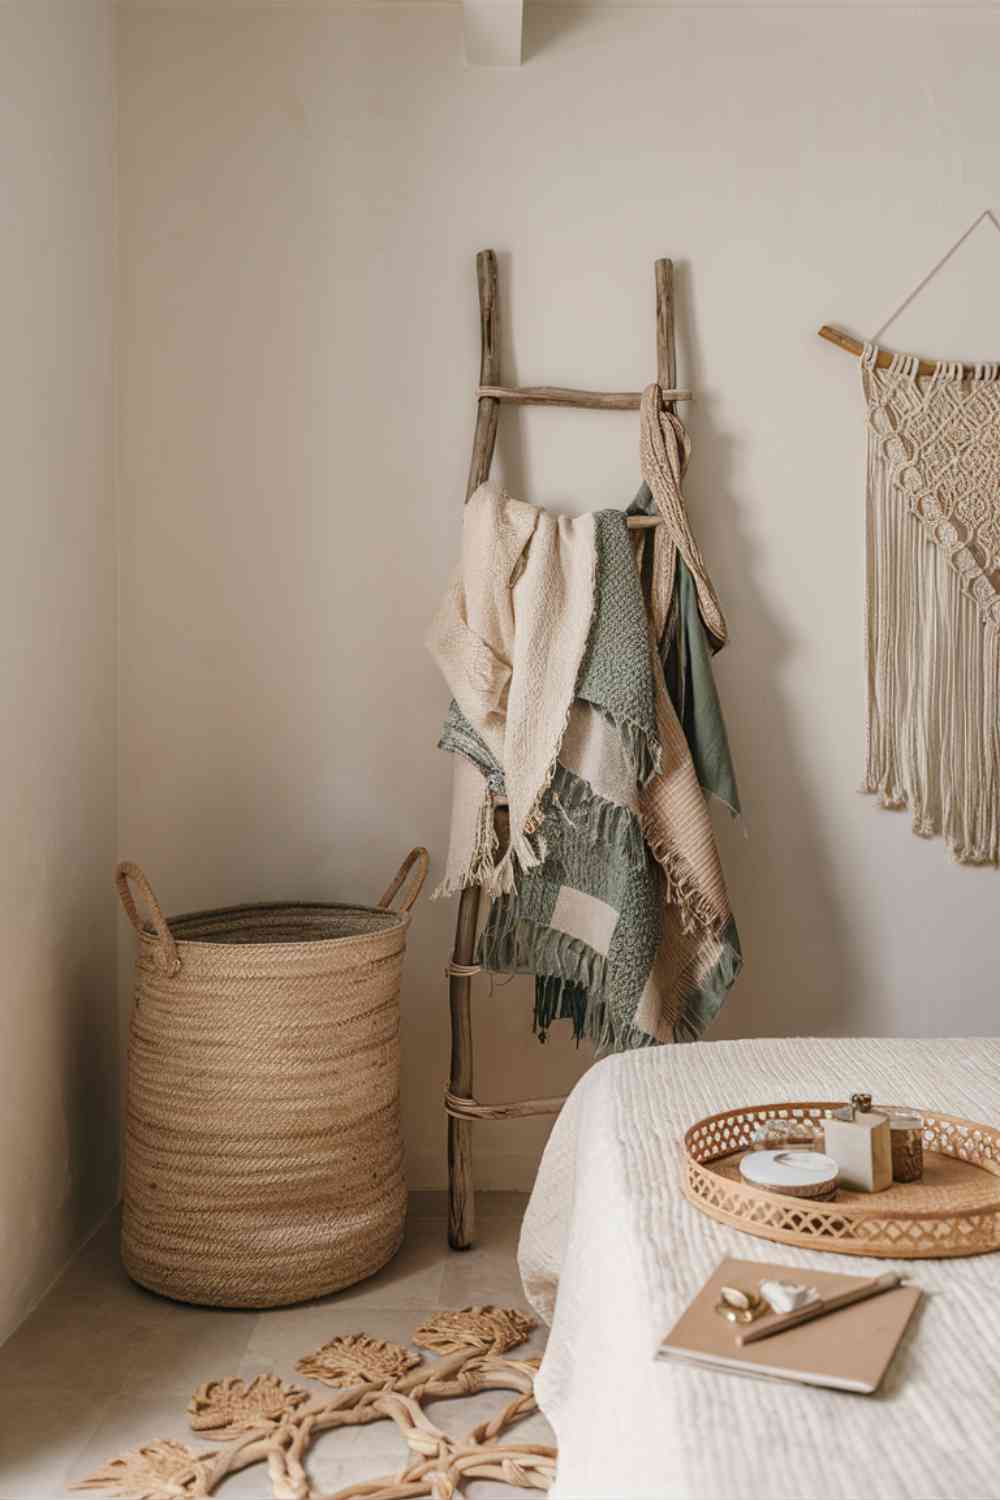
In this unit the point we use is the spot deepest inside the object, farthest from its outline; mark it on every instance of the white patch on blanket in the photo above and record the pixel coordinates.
(592, 749)
(585, 917)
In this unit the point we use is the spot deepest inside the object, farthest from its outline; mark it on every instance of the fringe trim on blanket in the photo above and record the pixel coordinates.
(516, 945)
(481, 867)
(570, 981)
(561, 1000)
(615, 827)
(696, 910)
(703, 1003)
(643, 752)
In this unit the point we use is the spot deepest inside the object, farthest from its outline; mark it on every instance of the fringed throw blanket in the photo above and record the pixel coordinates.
(933, 600)
(610, 889)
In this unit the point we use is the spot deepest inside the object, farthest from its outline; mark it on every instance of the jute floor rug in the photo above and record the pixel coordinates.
(270, 1422)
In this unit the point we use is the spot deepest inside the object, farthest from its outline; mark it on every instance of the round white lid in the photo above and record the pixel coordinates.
(788, 1168)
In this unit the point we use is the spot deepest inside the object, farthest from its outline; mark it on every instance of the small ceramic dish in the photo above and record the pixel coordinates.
(799, 1174)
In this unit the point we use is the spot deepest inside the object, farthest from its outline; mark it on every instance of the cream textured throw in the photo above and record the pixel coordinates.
(514, 685)
(933, 600)
(609, 1228)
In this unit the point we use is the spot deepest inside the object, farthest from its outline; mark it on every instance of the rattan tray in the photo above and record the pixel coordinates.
(955, 1210)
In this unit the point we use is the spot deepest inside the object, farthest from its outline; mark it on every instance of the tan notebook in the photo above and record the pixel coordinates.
(849, 1349)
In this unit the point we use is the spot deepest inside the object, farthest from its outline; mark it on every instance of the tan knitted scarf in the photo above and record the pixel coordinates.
(933, 600)
(664, 450)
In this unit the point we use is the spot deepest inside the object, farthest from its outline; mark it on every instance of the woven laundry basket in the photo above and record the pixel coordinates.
(263, 1150)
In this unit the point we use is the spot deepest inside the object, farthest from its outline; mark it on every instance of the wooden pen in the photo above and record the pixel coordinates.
(821, 1307)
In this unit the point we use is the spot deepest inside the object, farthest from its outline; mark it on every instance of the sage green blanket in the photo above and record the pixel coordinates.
(627, 936)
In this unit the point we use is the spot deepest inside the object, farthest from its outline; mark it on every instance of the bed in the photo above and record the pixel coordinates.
(611, 1252)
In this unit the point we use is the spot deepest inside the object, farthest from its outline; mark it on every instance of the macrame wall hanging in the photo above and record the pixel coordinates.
(933, 589)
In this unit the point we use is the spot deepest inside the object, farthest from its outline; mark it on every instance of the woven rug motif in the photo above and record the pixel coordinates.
(268, 1421)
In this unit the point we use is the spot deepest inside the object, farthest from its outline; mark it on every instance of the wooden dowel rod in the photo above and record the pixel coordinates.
(666, 349)
(553, 395)
(487, 412)
(884, 358)
(464, 1108)
(461, 1194)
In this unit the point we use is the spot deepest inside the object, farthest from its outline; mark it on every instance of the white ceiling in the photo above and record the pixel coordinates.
(290, 5)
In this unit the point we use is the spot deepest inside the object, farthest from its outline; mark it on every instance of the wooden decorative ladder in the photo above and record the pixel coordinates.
(460, 1102)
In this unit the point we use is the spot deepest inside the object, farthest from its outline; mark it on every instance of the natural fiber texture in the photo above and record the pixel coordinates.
(933, 607)
(515, 685)
(624, 918)
(699, 957)
(491, 1330)
(263, 1145)
(609, 1225)
(953, 1211)
(587, 921)
(437, 1466)
(221, 1407)
(351, 1358)
(664, 450)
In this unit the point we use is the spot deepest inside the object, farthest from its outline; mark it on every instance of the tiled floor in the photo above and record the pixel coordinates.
(102, 1366)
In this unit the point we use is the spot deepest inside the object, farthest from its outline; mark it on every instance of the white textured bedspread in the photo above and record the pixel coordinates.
(609, 1230)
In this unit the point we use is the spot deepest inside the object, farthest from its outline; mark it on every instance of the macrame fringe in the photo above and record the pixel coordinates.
(933, 733)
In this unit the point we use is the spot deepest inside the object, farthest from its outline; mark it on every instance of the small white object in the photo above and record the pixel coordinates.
(787, 1296)
(862, 1149)
(801, 1173)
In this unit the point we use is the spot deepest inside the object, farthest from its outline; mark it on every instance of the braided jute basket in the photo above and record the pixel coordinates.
(263, 1157)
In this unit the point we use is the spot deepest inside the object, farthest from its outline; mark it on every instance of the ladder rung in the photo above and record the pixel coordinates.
(554, 395)
(470, 1109)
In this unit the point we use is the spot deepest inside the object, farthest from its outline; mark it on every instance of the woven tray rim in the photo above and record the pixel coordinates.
(941, 1129)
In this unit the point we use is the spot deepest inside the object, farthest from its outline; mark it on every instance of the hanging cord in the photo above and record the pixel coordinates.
(912, 296)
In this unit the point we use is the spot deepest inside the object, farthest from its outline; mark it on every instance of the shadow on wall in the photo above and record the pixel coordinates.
(546, 26)
(802, 971)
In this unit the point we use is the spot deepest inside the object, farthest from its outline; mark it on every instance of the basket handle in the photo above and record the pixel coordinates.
(418, 856)
(167, 957)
